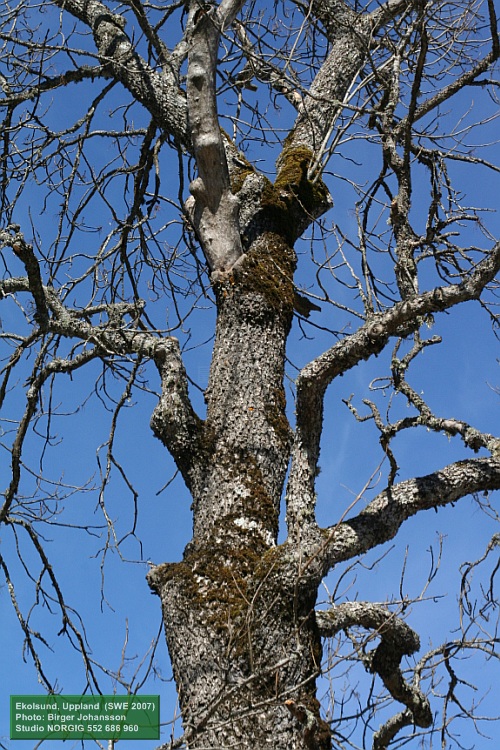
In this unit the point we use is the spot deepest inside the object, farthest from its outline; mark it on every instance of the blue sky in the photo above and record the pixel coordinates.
(457, 378)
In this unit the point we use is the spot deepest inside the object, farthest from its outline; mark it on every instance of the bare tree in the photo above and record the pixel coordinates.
(309, 171)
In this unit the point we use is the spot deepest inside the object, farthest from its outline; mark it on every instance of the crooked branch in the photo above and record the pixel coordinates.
(397, 639)
(174, 420)
(14, 238)
(370, 339)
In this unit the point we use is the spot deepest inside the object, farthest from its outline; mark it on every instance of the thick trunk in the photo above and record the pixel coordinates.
(239, 616)
(246, 432)
(245, 649)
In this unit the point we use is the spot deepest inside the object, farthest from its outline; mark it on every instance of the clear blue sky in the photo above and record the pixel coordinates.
(456, 378)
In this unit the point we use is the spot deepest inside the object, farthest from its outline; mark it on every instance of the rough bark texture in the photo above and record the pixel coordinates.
(243, 635)
(239, 615)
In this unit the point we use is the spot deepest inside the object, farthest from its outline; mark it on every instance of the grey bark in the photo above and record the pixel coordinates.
(239, 610)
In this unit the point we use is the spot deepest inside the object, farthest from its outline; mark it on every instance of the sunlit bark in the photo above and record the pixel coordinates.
(245, 640)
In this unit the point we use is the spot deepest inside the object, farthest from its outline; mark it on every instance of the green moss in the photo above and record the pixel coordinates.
(219, 577)
(294, 164)
(294, 199)
(267, 271)
(239, 176)
(215, 575)
(213, 578)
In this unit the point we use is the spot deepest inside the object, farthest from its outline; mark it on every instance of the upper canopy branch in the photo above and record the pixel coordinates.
(370, 339)
(329, 12)
(49, 83)
(459, 82)
(322, 103)
(263, 69)
(351, 35)
(158, 92)
(400, 320)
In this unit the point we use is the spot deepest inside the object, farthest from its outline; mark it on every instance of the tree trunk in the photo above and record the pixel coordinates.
(239, 615)
(245, 649)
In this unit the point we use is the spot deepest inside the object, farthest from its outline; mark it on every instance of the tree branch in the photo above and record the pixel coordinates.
(84, 72)
(158, 92)
(350, 34)
(13, 238)
(397, 640)
(39, 377)
(174, 420)
(400, 320)
(213, 208)
(380, 521)
(460, 82)
(321, 105)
